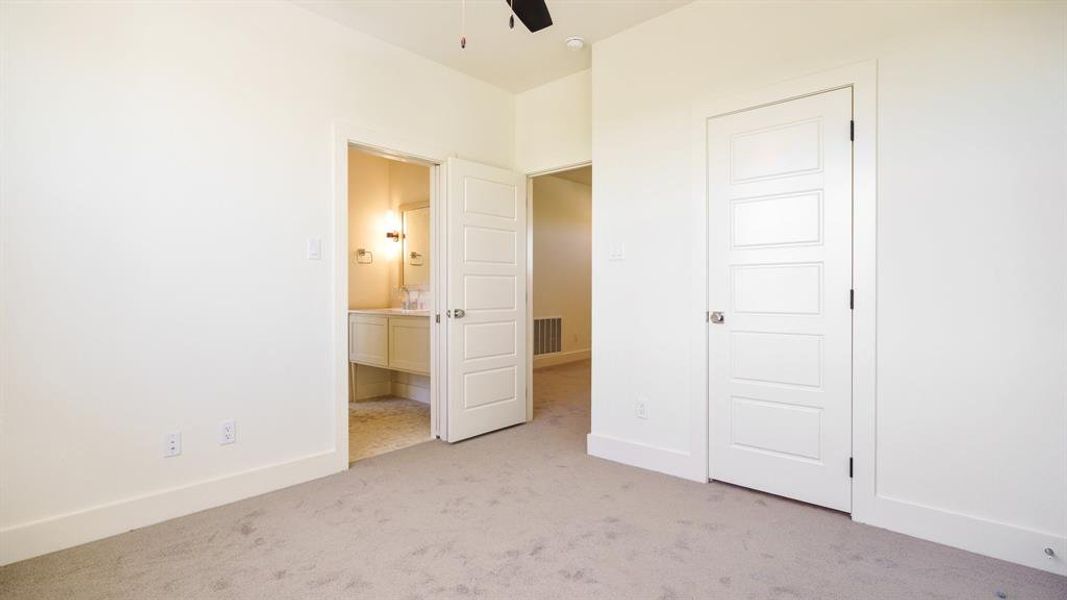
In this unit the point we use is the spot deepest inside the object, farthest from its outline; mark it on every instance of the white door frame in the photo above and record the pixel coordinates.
(529, 273)
(346, 135)
(862, 78)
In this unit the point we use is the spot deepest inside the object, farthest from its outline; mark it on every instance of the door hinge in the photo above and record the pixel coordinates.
(851, 131)
(852, 299)
(850, 467)
(437, 318)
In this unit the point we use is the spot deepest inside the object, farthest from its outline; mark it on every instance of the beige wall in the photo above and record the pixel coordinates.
(369, 216)
(561, 260)
(173, 160)
(553, 124)
(972, 247)
(377, 188)
(409, 183)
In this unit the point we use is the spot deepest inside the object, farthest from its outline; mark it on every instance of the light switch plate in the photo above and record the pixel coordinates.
(314, 249)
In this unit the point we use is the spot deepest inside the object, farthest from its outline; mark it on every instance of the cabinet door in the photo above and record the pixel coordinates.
(368, 340)
(409, 344)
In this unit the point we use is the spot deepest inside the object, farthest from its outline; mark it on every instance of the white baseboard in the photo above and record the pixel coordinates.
(411, 392)
(981, 536)
(663, 460)
(974, 534)
(559, 358)
(27, 540)
(376, 389)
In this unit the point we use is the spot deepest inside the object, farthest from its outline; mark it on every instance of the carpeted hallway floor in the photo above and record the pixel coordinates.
(522, 513)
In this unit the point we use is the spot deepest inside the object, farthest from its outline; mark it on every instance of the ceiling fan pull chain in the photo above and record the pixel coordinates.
(511, 19)
(463, 24)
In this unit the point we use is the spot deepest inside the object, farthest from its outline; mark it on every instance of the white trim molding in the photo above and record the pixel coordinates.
(663, 460)
(560, 358)
(35, 538)
(983, 536)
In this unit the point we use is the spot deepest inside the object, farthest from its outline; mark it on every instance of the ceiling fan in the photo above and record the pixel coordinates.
(533, 14)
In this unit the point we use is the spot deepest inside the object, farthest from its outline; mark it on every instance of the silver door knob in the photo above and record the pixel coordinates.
(459, 313)
(717, 317)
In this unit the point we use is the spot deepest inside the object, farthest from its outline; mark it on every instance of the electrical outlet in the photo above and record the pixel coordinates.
(641, 408)
(228, 432)
(172, 444)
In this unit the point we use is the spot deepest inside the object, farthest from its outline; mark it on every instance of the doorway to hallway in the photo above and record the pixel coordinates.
(561, 280)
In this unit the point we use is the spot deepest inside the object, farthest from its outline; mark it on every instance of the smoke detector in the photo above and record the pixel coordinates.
(575, 43)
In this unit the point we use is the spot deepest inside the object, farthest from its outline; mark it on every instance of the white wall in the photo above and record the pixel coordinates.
(164, 166)
(562, 284)
(553, 124)
(972, 247)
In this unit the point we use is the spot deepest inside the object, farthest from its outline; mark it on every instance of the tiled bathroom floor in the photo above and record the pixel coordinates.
(385, 424)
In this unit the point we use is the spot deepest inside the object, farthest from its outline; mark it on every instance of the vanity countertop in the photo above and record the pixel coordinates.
(390, 312)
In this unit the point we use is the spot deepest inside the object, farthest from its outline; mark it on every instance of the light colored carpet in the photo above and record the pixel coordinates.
(522, 513)
(382, 425)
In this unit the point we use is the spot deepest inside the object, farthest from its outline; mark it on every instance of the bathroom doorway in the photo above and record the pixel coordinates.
(458, 338)
(389, 303)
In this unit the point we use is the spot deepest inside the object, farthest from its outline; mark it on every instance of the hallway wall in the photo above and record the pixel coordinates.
(562, 285)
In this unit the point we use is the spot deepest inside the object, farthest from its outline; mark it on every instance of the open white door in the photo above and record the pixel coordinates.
(486, 309)
(780, 273)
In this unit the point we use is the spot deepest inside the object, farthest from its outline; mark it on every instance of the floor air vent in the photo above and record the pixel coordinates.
(548, 335)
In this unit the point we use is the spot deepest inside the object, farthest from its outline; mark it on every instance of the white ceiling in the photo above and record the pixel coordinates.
(515, 60)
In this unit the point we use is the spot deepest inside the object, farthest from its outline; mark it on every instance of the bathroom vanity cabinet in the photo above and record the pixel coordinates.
(390, 339)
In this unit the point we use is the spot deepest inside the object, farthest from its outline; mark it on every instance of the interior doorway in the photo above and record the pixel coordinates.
(462, 335)
(561, 282)
(389, 303)
(780, 291)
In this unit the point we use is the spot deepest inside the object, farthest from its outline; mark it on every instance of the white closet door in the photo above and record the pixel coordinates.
(780, 272)
(486, 307)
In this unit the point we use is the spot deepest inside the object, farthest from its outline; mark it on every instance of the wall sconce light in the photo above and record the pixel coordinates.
(393, 235)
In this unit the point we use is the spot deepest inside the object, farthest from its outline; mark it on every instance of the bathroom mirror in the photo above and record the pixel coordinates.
(416, 249)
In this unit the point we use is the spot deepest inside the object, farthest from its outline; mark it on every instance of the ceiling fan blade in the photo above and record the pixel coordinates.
(533, 13)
